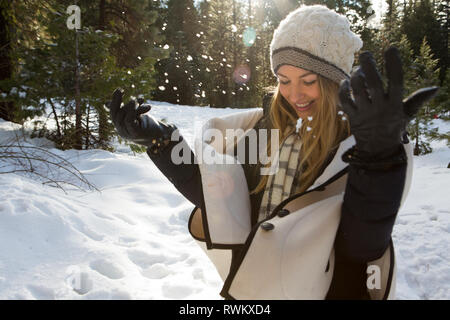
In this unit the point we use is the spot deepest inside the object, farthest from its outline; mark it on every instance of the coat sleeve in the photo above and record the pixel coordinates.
(371, 202)
(184, 176)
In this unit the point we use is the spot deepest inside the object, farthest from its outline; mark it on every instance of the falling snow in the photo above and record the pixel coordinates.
(299, 124)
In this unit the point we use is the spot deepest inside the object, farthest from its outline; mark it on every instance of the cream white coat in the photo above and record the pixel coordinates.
(295, 260)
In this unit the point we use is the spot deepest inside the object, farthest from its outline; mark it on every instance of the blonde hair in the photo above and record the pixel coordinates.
(328, 129)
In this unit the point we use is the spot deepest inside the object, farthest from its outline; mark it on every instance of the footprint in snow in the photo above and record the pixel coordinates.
(154, 244)
(107, 268)
(445, 227)
(198, 274)
(191, 261)
(80, 226)
(156, 271)
(127, 241)
(102, 216)
(125, 219)
(145, 260)
(41, 293)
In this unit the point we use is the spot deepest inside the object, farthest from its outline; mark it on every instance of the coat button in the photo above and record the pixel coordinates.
(267, 226)
(283, 212)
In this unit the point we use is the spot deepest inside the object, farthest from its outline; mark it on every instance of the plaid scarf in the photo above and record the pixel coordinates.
(284, 182)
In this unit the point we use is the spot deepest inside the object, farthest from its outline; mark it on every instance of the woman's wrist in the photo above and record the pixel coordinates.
(384, 161)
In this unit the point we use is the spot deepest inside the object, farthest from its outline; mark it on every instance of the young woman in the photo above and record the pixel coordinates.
(318, 227)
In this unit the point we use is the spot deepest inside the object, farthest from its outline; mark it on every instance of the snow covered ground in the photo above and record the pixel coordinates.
(130, 239)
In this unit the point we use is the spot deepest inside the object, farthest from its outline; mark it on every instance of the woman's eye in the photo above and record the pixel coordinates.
(284, 82)
(309, 83)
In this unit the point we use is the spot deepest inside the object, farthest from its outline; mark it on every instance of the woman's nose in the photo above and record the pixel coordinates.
(297, 94)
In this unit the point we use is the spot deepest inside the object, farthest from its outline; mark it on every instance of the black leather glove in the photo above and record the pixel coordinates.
(133, 124)
(377, 118)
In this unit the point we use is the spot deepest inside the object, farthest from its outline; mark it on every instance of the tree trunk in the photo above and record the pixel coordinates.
(102, 116)
(103, 127)
(7, 108)
(101, 15)
(58, 128)
(78, 129)
(87, 135)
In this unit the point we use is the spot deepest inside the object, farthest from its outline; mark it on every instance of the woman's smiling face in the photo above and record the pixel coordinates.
(300, 88)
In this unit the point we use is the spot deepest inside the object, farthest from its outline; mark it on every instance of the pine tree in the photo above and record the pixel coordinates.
(237, 51)
(421, 20)
(357, 12)
(407, 58)
(392, 22)
(262, 78)
(270, 17)
(6, 107)
(49, 65)
(179, 79)
(443, 98)
(218, 51)
(441, 110)
(442, 9)
(421, 129)
(49, 70)
(18, 28)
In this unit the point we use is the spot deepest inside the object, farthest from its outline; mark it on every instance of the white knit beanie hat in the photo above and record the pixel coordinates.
(316, 39)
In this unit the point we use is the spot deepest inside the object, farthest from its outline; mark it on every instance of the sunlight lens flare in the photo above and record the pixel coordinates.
(249, 36)
(241, 74)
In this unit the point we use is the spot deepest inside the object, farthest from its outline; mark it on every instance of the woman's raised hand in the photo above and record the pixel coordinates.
(378, 117)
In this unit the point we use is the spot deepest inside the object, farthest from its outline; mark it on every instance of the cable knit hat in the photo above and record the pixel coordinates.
(317, 39)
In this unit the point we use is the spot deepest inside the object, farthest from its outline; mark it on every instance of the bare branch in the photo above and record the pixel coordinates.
(41, 164)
